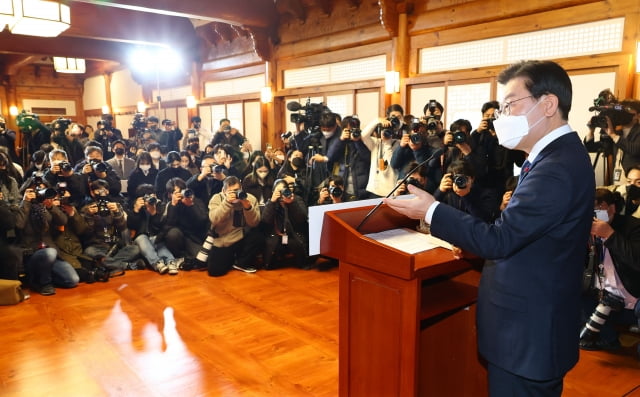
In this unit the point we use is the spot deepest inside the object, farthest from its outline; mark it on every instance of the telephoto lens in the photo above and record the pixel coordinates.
(187, 193)
(241, 195)
(335, 191)
(460, 181)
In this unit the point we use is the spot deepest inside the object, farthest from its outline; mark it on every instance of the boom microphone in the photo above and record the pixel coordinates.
(294, 106)
(435, 155)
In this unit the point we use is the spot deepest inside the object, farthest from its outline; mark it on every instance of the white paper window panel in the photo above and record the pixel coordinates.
(217, 112)
(93, 122)
(124, 90)
(253, 123)
(169, 113)
(123, 123)
(302, 101)
(94, 95)
(69, 106)
(171, 94)
(585, 89)
(205, 115)
(240, 85)
(367, 105)
(465, 102)
(183, 118)
(341, 104)
(339, 72)
(576, 40)
(234, 114)
(420, 96)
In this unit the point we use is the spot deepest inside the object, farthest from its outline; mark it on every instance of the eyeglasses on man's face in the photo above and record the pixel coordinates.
(505, 107)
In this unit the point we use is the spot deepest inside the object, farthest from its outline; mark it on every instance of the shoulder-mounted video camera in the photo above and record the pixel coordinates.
(309, 114)
(60, 124)
(29, 122)
(605, 105)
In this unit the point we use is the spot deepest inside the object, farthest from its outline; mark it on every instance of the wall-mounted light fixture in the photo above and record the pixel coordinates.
(13, 110)
(391, 82)
(141, 107)
(69, 65)
(191, 102)
(266, 95)
(105, 109)
(44, 18)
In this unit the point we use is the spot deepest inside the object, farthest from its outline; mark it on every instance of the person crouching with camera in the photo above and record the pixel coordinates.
(184, 221)
(333, 192)
(144, 220)
(94, 168)
(616, 285)
(40, 217)
(457, 188)
(285, 223)
(106, 223)
(234, 217)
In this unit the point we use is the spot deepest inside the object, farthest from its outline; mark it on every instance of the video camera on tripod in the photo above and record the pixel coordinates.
(605, 105)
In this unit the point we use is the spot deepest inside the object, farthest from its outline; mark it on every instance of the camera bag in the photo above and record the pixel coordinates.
(10, 292)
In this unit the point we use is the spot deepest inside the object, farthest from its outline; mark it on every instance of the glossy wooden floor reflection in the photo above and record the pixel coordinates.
(265, 334)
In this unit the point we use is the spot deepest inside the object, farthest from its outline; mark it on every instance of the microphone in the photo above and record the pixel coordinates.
(294, 106)
(435, 155)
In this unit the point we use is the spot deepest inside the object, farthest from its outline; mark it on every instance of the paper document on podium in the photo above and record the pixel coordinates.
(408, 240)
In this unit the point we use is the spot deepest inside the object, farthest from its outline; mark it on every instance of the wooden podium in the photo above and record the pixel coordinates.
(407, 322)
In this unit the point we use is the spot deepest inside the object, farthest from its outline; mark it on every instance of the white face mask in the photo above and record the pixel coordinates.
(155, 155)
(39, 166)
(511, 129)
(262, 175)
(602, 215)
(328, 135)
(145, 167)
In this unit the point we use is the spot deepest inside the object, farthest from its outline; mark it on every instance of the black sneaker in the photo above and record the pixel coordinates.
(46, 290)
(599, 344)
(248, 269)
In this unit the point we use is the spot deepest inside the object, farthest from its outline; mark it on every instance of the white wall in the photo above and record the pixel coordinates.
(94, 95)
(125, 92)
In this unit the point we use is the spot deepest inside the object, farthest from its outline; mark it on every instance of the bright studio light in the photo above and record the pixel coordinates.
(160, 59)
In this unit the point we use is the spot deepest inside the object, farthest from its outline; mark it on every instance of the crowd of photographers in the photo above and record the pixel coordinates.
(92, 204)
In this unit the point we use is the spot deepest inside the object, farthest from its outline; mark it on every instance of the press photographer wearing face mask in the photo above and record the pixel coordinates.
(259, 183)
(121, 164)
(285, 225)
(234, 217)
(535, 252)
(615, 286)
(209, 181)
(94, 168)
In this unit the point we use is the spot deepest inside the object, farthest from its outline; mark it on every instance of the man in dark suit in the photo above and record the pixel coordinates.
(529, 297)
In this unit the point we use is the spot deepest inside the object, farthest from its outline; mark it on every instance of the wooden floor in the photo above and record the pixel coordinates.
(265, 334)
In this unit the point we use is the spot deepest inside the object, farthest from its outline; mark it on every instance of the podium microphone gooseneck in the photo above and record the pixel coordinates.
(435, 154)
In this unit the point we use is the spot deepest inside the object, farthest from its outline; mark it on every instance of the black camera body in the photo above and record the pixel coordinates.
(103, 208)
(217, 168)
(335, 191)
(461, 181)
(187, 193)
(286, 192)
(432, 106)
(432, 125)
(413, 181)
(60, 124)
(354, 126)
(286, 135)
(310, 116)
(139, 122)
(459, 137)
(241, 195)
(98, 166)
(45, 194)
(150, 199)
(65, 166)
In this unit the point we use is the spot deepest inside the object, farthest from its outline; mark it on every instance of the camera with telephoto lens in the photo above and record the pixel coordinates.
(461, 181)
(459, 137)
(139, 122)
(103, 207)
(150, 199)
(335, 191)
(608, 303)
(65, 166)
(29, 122)
(286, 135)
(98, 166)
(605, 105)
(203, 253)
(187, 193)
(286, 192)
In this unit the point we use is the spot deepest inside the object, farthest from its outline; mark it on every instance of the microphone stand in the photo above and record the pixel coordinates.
(437, 153)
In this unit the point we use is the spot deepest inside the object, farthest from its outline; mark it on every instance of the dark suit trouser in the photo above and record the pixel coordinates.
(506, 384)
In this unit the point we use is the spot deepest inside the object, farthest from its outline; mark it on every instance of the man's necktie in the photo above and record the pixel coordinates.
(121, 165)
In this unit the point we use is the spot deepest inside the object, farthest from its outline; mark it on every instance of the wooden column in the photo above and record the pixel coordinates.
(107, 90)
(268, 128)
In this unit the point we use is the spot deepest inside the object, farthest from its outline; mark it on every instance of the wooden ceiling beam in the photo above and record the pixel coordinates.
(236, 12)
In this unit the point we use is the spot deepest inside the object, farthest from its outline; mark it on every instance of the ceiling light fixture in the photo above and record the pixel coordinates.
(43, 18)
(69, 65)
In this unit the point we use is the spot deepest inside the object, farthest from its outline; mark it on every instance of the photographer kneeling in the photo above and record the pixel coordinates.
(234, 216)
(616, 239)
(285, 220)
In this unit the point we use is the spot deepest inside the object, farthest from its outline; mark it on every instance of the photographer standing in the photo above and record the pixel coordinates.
(196, 131)
(8, 140)
(382, 174)
(170, 137)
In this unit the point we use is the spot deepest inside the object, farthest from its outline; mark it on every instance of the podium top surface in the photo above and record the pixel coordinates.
(341, 240)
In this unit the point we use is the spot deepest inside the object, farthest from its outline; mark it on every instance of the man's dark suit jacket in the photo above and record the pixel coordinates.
(529, 296)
